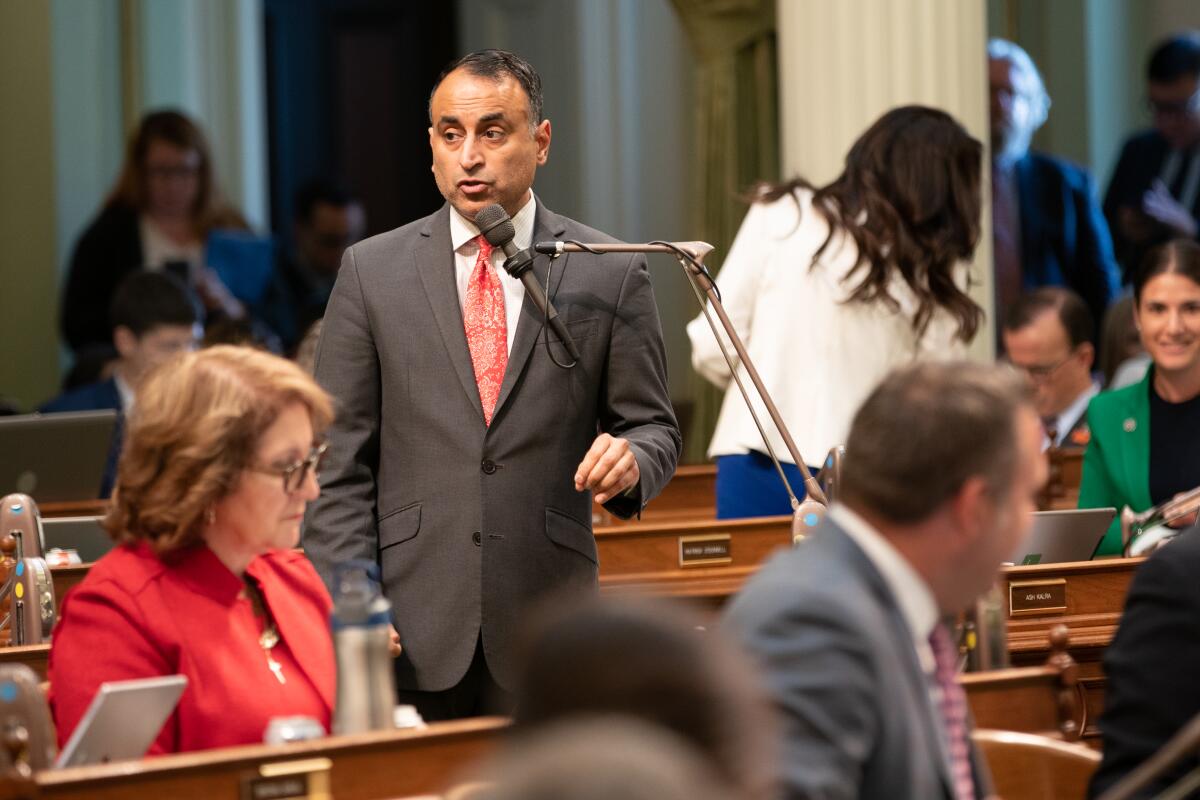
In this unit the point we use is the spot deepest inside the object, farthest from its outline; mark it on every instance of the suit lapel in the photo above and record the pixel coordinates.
(547, 226)
(902, 639)
(1136, 443)
(434, 262)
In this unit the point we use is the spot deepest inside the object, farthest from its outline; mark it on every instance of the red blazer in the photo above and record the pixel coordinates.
(135, 616)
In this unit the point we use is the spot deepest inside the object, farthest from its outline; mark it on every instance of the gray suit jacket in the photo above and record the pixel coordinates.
(839, 661)
(471, 524)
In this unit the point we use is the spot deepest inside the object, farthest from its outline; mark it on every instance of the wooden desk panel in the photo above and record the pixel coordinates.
(1095, 598)
(74, 508)
(370, 766)
(645, 558)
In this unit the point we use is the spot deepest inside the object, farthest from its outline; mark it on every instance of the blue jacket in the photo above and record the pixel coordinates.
(1064, 238)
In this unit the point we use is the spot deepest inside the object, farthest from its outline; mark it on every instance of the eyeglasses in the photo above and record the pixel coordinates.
(1040, 372)
(294, 474)
(1189, 106)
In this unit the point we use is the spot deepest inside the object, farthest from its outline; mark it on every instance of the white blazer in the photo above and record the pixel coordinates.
(818, 356)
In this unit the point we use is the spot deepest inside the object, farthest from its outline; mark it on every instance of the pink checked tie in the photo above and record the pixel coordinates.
(487, 328)
(954, 711)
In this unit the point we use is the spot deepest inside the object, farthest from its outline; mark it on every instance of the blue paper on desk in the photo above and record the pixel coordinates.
(243, 262)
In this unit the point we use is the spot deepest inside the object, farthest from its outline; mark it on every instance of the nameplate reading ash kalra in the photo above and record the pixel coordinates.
(706, 550)
(1037, 597)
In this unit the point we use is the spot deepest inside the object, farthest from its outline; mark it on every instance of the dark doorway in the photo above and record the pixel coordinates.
(347, 87)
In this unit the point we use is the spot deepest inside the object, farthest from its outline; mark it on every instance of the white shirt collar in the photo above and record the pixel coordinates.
(912, 595)
(124, 391)
(1071, 414)
(463, 230)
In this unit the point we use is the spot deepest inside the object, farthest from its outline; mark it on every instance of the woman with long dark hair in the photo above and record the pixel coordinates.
(833, 286)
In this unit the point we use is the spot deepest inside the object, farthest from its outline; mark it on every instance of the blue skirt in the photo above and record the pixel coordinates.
(749, 486)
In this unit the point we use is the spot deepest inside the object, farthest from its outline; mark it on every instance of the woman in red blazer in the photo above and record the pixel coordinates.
(219, 464)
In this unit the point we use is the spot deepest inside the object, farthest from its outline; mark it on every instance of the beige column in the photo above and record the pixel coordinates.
(842, 64)
(29, 368)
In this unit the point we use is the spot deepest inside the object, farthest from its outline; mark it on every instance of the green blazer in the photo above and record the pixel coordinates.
(1116, 464)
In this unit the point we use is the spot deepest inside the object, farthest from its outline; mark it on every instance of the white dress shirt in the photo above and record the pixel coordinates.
(818, 356)
(462, 235)
(912, 595)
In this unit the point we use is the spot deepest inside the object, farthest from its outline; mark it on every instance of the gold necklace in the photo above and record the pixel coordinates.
(269, 637)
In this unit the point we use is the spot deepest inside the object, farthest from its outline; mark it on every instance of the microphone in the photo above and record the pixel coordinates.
(496, 226)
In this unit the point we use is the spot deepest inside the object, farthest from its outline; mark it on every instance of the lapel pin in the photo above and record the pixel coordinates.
(1130, 425)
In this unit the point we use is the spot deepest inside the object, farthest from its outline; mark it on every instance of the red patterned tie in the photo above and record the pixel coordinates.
(953, 706)
(487, 328)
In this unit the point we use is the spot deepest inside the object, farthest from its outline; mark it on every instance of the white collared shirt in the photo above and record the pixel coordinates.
(1070, 415)
(913, 596)
(124, 391)
(462, 234)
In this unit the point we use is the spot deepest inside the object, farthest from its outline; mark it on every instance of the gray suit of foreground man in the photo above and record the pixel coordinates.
(847, 626)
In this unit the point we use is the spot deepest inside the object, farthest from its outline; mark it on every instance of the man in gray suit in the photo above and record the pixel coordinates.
(943, 465)
(465, 456)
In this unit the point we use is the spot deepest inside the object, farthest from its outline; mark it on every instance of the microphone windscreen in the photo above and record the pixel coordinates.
(493, 222)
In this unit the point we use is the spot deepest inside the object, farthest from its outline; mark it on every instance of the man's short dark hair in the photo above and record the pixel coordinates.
(1176, 57)
(147, 300)
(1068, 306)
(925, 431)
(497, 65)
(316, 191)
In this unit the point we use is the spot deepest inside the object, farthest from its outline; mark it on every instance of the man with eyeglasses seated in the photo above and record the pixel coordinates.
(1047, 335)
(1154, 194)
(219, 463)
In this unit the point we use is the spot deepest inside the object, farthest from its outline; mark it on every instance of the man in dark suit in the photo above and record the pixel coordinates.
(153, 318)
(1151, 667)
(464, 456)
(1047, 225)
(1047, 335)
(1154, 193)
(326, 220)
(849, 627)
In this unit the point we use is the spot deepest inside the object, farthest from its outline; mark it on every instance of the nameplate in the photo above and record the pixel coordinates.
(307, 779)
(699, 551)
(1037, 597)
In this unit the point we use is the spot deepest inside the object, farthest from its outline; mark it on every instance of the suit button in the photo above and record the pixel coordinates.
(488, 466)
(476, 538)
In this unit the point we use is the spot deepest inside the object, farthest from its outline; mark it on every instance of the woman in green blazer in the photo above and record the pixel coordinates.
(1146, 437)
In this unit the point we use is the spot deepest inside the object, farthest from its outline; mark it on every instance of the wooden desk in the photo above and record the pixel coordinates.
(647, 558)
(74, 508)
(1093, 599)
(384, 764)
(1066, 473)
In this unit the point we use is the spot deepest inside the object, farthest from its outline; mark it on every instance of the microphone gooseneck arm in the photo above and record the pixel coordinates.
(806, 514)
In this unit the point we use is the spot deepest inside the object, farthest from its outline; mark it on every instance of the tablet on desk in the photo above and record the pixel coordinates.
(124, 719)
(1060, 536)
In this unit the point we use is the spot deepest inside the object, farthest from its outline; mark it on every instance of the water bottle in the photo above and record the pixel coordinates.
(366, 684)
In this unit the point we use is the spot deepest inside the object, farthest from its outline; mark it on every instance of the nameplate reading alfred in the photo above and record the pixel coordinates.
(1037, 597)
(699, 551)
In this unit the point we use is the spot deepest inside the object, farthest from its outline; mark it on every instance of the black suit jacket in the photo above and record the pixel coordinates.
(1152, 665)
(1064, 238)
(1141, 161)
(108, 250)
